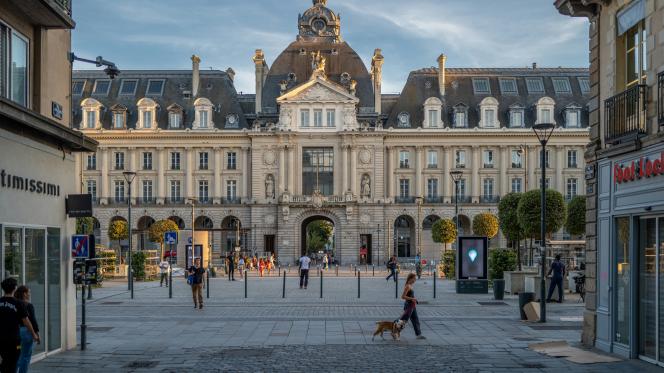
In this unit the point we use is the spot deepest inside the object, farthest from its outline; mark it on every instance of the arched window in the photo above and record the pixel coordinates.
(203, 114)
(545, 107)
(432, 109)
(119, 116)
(91, 109)
(461, 116)
(175, 113)
(147, 114)
(489, 113)
(572, 116)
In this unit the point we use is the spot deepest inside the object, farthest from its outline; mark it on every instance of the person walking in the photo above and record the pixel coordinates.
(418, 267)
(326, 261)
(410, 305)
(231, 266)
(195, 279)
(163, 272)
(13, 315)
(392, 267)
(27, 341)
(304, 270)
(558, 269)
(240, 267)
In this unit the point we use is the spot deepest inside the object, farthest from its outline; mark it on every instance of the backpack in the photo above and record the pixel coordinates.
(190, 279)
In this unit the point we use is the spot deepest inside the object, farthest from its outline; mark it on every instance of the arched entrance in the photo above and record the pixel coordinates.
(404, 236)
(317, 237)
(464, 225)
(232, 235)
(142, 227)
(177, 220)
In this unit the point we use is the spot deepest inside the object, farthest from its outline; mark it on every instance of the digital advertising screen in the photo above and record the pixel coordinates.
(472, 258)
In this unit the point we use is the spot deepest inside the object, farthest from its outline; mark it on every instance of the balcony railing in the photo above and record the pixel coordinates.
(462, 199)
(488, 165)
(404, 164)
(434, 199)
(231, 201)
(489, 199)
(404, 199)
(146, 201)
(516, 165)
(625, 114)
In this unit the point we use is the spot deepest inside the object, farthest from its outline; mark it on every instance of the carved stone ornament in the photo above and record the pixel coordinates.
(365, 219)
(269, 158)
(269, 219)
(317, 199)
(285, 118)
(365, 156)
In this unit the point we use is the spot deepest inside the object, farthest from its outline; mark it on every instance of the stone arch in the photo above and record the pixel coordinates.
(233, 234)
(405, 236)
(307, 216)
(177, 220)
(144, 223)
(203, 223)
(465, 226)
(428, 221)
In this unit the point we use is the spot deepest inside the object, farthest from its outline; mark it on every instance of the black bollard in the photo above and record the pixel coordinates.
(358, 284)
(283, 289)
(373, 270)
(396, 285)
(337, 269)
(321, 284)
(83, 317)
(89, 291)
(207, 285)
(245, 283)
(434, 284)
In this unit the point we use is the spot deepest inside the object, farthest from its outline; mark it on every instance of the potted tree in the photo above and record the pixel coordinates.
(444, 231)
(500, 261)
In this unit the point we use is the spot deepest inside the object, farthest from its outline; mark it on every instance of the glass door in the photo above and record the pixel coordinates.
(622, 282)
(651, 288)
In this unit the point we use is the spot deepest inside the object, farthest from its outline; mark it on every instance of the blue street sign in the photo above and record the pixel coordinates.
(171, 238)
(80, 246)
(190, 240)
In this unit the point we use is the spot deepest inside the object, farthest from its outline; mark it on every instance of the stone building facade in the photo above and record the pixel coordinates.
(319, 139)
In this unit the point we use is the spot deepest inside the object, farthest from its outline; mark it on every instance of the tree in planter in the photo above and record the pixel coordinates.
(138, 264)
(509, 221)
(85, 225)
(576, 216)
(118, 230)
(500, 261)
(444, 231)
(485, 225)
(157, 230)
(529, 212)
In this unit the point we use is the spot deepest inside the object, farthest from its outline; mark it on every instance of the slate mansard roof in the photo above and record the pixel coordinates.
(215, 85)
(423, 84)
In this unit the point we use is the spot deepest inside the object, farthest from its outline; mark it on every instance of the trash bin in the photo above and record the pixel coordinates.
(525, 298)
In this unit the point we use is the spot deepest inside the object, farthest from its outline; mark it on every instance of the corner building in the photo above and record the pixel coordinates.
(319, 140)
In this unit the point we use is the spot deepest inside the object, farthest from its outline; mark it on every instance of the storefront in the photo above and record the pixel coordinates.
(630, 231)
(37, 172)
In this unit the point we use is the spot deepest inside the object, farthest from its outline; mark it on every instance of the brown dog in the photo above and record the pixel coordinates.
(393, 327)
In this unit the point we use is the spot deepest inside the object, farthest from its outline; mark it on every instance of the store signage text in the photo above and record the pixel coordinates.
(638, 169)
(28, 184)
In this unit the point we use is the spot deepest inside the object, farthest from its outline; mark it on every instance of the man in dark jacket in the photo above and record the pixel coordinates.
(230, 263)
(392, 266)
(196, 273)
(13, 314)
(558, 269)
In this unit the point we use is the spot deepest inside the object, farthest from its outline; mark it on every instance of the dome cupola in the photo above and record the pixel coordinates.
(319, 23)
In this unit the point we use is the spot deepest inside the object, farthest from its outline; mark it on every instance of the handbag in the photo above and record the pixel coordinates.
(190, 280)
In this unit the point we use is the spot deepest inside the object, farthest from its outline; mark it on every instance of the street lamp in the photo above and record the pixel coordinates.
(543, 131)
(129, 177)
(193, 230)
(456, 177)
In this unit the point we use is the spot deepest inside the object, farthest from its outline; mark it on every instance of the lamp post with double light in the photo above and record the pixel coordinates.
(543, 131)
(456, 177)
(129, 178)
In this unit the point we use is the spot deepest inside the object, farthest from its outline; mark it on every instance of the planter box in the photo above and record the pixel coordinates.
(515, 282)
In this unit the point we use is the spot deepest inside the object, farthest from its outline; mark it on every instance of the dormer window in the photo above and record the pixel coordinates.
(432, 109)
(175, 116)
(128, 87)
(90, 113)
(461, 116)
(489, 113)
(545, 106)
(572, 116)
(508, 86)
(561, 85)
(119, 116)
(516, 116)
(101, 88)
(534, 85)
(147, 110)
(203, 114)
(403, 120)
(155, 87)
(77, 87)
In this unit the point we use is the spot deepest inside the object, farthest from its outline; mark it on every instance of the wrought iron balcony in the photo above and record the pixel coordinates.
(146, 201)
(174, 201)
(404, 199)
(204, 201)
(625, 114)
(462, 199)
(489, 199)
(433, 199)
(404, 164)
(231, 201)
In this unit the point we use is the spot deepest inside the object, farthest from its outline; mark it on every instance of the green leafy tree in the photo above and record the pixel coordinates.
(485, 225)
(85, 225)
(157, 230)
(576, 216)
(319, 233)
(529, 212)
(444, 231)
(138, 264)
(509, 221)
(118, 230)
(501, 260)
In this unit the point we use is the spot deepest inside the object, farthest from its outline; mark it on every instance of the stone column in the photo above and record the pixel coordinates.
(418, 171)
(245, 172)
(105, 183)
(533, 163)
(132, 167)
(447, 155)
(475, 173)
(502, 174)
(344, 168)
(560, 165)
(189, 176)
(161, 170)
(353, 170)
(218, 168)
(282, 169)
(291, 168)
(390, 172)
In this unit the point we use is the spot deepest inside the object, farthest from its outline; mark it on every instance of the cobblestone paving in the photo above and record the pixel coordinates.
(304, 333)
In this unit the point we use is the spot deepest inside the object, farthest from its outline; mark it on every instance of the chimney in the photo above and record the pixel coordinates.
(231, 74)
(441, 74)
(261, 74)
(377, 77)
(534, 65)
(195, 75)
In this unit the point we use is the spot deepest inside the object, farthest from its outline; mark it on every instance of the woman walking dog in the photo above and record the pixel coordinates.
(410, 306)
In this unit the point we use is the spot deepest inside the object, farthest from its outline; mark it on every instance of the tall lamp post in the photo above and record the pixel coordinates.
(193, 231)
(456, 177)
(129, 178)
(543, 131)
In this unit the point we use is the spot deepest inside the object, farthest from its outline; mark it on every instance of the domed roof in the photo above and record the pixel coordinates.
(319, 23)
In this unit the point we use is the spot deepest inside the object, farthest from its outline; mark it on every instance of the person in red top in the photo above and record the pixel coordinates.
(261, 266)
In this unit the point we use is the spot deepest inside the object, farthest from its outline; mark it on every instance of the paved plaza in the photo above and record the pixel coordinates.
(304, 333)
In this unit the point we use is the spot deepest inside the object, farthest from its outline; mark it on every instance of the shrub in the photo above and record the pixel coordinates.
(529, 212)
(158, 229)
(448, 264)
(443, 231)
(138, 264)
(485, 225)
(576, 216)
(85, 225)
(501, 260)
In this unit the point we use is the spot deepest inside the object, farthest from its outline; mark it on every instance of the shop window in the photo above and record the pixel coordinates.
(623, 280)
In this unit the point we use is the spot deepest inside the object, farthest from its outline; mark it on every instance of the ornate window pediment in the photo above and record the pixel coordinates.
(545, 110)
(119, 116)
(432, 109)
(147, 114)
(489, 113)
(517, 115)
(203, 114)
(175, 116)
(403, 120)
(91, 113)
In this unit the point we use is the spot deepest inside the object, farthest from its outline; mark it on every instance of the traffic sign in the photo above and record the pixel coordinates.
(190, 240)
(80, 246)
(171, 238)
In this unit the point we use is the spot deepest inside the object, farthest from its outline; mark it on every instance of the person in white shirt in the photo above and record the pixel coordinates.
(240, 266)
(304, 270)
(163, 272)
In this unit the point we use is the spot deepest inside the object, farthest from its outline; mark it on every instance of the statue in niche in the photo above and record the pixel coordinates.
(269, 186)
(365, 190)
(317, 63)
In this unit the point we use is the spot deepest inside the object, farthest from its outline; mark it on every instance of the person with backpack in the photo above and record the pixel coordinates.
(195, 280)
(558, 269)
(392, 267)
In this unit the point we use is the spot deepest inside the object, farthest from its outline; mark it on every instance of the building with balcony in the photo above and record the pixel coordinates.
(625, 166)
(38, 152)
(319, 140)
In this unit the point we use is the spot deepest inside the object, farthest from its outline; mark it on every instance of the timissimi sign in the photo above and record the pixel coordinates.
(27, 184)
(642, 168)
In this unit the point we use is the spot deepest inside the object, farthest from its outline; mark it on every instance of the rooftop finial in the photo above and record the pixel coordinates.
(321, 2)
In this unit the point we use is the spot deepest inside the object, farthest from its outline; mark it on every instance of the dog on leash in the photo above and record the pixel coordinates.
(394, 327)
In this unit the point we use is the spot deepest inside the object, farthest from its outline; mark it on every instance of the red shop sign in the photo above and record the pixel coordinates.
(638, 169)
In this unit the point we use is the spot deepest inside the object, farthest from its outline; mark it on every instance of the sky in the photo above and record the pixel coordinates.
(163, 34)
